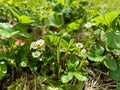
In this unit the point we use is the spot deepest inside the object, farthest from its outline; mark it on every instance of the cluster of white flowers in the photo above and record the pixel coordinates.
(83, 51)
(89, 25)
(36, 45)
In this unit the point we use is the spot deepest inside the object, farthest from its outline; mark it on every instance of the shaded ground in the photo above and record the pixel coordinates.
(99, 80)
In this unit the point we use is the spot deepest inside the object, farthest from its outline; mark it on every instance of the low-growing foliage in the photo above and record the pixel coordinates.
(73, 36)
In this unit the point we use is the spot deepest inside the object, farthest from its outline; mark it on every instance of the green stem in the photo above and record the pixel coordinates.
(81, 63)
(58, 60)
(80, 85)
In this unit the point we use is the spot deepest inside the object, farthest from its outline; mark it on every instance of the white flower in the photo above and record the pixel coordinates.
(62, 50)
(36, 54)
(4, 72)
(102, 33)
(12, 62)
(83, 53)
(116, 52)
(34, 45)
(98, 31)
(2, 62)
(79, 45)
(89, 24)
(40, 42)
(23, 64)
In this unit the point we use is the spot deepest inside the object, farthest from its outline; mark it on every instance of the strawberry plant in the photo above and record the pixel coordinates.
(58, 43)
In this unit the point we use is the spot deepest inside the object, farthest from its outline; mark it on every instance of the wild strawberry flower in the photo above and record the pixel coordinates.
(97, 32)
(62, 50)
(89, 24)
(23, 64)
(79, 45)
(36, 54)
(40, 42)
(83, 53)
(12, 61)
(33, 45)
(2, 62)
(116, 52)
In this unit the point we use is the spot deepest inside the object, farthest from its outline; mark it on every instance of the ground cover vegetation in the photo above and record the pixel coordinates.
(59, 45)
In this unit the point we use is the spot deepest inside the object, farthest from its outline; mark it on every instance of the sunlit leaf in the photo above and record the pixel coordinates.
(100, 19)
(7, 34)
(15, 14)
(74, 25)
(61, 1)
(110, 16)
(67, 78)
(80, 76)
(25, 19)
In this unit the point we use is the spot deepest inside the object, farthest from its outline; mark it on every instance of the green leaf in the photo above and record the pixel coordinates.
(56, 20)
(52, 39)
(67, 78)
(107, 18)
(95, 53)
(64, 44)
(94, 57)
(112, 40)
(97, 50)
(72, 64)
(61, 1)
(22, 31)
(3, 69)
(7, 57)
(100, 19)
(22, 18)
(7, 34)
(66, 37)
(6, 26)
(110, 16)
(115, 74)
(23, 52)
(80, 76)
(25, 19)
(74, 25)
(110, 62)
(118, 86)
(15, 14)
